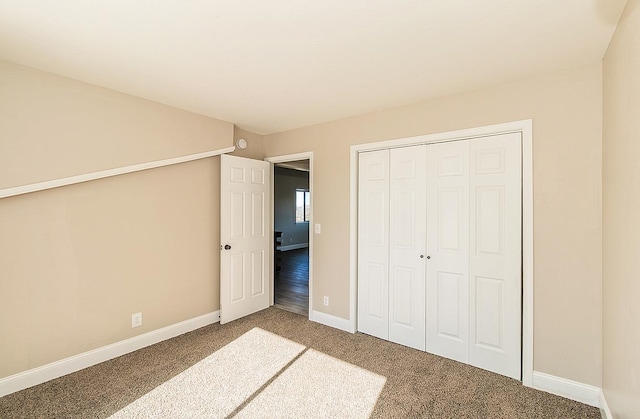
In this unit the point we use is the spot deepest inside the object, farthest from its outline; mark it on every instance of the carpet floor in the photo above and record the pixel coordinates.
(278, 364)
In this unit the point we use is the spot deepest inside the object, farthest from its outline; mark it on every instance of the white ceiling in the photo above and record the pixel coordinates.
(273, 65)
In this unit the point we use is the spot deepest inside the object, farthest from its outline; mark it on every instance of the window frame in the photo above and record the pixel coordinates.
(306, 205)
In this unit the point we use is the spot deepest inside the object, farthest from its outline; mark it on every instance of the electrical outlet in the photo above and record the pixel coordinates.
(136, 320)
(326, 300)
(318, 229)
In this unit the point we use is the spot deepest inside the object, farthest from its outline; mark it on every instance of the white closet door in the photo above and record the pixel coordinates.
(448, 250)
(407, 231)
(373, 243)
(495, 263)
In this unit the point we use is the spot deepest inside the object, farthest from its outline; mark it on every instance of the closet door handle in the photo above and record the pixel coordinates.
(422, 257)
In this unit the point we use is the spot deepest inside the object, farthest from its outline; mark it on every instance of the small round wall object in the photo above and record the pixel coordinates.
(241, 143)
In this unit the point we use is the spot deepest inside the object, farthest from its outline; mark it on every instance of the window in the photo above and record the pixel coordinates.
(303, 206)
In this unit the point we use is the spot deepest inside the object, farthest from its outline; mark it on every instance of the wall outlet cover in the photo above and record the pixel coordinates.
(136, 320)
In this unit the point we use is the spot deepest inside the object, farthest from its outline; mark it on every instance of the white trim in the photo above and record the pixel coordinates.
(75, 363)
(527, 252)
(580, 392)
(353, 239)
(282, 159)
(293, 246)
(332, 321)
(470, 133)
(525, 127)
(605, 412)
(287, 165)
(49, 184)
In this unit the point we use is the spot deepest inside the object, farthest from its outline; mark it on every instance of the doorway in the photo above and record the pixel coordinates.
(292, 219)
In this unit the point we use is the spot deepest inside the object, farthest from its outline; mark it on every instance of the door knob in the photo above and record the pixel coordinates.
(227, 247)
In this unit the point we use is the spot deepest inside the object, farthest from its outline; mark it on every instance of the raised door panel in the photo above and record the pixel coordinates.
(237, 214)
(237, 277)
(257, 214)
(407, 226)
(258, 275)
(447, 283)
(495, 260)
(373, 243)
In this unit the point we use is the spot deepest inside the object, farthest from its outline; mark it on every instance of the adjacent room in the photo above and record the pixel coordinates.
(320, 209)
(291, 217)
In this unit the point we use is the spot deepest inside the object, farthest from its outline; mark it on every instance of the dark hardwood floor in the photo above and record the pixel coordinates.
(292, 282)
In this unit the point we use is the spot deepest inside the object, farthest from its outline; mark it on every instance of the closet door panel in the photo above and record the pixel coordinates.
(447, 331)
(407, 228)
(495, 262)
(373, 243)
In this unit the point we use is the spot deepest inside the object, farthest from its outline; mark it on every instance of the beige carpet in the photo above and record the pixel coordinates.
(220, 383)
(278, 364)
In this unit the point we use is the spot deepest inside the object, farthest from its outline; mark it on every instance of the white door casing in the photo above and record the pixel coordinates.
(495, 284)
(244, 237)
(373, 239)
(407, 231)
(448, 250)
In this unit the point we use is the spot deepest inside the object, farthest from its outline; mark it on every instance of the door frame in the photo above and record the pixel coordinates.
(525, 128)
(283, 159)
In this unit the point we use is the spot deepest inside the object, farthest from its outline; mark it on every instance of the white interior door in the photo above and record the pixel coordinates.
(244, 237)
(373, 243)
(448, 250)
(407, 234)
(496, 245)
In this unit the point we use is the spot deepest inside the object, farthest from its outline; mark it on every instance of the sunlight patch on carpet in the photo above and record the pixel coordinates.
(318, 386)
(220, 383)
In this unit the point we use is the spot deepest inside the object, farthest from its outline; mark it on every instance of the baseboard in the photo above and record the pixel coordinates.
(75, 363)
(605, 412)
(293, 246)
(580, 392)
(332, 321)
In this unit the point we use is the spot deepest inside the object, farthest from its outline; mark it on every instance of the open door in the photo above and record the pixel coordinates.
(244, 237)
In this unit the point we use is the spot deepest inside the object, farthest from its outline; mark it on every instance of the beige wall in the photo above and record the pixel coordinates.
(566, 109)
(53, 127)
(621, 217)
(254, 148)
(77, 261)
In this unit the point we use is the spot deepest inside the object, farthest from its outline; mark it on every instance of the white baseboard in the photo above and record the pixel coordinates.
(331, 321)
(66, 366)
(293, 246)
(605, 412)
(580, 392)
